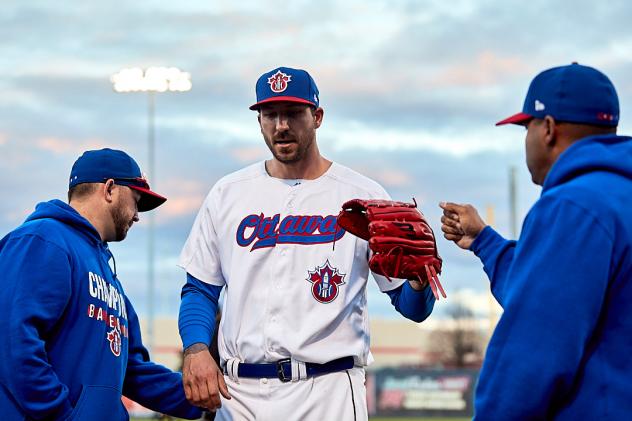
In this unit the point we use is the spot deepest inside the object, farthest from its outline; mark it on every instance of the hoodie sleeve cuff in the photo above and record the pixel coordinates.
(487, 240)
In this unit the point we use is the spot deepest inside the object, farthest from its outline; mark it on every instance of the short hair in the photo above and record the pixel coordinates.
(82, 190)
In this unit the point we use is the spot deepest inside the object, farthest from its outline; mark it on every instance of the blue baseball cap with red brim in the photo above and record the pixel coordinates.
(573, 93)
(287, 85)
(98, 166)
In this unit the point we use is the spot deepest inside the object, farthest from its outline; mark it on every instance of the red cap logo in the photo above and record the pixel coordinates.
(278, 81)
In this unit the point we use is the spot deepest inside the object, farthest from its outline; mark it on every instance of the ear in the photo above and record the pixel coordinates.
(259, 120)
(108, 190)
(318, 116)
(550, 131)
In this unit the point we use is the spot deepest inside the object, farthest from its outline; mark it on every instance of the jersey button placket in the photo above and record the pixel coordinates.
(271, 321)
(279, 279)
(290, 202)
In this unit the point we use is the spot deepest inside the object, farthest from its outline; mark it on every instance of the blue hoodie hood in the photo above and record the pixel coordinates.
(63, 212)
(604, 153)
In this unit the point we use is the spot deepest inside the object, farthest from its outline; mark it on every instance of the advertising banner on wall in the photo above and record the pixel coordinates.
(421, 392)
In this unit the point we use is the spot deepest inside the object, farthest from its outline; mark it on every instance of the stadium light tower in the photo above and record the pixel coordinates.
(151, 80)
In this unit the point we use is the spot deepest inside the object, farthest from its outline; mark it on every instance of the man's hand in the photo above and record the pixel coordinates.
(202, 378)
(460, 223)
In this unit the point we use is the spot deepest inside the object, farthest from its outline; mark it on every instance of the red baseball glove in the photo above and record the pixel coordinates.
(402, 242)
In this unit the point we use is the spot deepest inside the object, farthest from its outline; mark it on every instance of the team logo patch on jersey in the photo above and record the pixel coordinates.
(114, 336)
(325, 281)
(278, 81)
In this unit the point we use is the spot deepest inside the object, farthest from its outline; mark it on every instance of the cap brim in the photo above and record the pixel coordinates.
(148, 199)
(281, 99)
(520, 118)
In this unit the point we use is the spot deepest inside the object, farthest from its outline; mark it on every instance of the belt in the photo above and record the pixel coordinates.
(282, 369)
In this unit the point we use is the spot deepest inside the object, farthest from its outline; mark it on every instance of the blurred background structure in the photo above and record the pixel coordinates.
(152, 80)
(411, 92)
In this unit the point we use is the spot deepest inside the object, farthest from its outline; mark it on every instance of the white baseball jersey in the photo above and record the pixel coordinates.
(289, 291)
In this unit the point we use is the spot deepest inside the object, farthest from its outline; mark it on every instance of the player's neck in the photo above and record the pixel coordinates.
(92, 212)
(305, 169)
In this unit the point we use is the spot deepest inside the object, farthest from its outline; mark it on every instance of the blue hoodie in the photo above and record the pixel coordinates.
(70, 343)
(563, 346)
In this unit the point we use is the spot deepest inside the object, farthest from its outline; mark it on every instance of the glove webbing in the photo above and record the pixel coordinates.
(431, 273)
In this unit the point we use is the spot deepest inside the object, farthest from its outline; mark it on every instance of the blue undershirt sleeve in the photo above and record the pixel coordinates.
(412, 304)
(198, 309)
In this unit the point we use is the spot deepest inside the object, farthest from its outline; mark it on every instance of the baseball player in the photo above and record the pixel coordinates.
(561, 349)
(294, 336)
(70, 344)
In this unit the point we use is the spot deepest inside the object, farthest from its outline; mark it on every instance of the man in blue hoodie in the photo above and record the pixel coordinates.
(562, 347)
(70, 344)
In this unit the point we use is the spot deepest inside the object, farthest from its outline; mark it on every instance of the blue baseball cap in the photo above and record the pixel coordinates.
(98, 166)
(572, 93)
(286, 84)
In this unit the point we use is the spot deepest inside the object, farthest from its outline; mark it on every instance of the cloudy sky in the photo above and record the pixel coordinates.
(411, 91)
